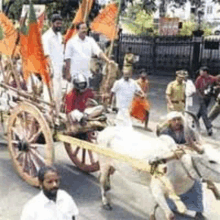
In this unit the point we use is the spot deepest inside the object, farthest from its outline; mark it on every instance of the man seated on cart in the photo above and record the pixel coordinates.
(81, 109)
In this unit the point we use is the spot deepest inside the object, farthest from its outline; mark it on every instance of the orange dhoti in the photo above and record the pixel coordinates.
(140, 107)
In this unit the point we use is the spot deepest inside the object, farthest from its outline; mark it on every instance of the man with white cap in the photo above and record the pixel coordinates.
(194, 198)
(175, 127)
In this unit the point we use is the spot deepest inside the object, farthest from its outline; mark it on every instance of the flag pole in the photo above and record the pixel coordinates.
(86, 11)
(115, 30)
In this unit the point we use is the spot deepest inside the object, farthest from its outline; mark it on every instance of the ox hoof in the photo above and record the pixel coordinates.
(152, 217)
(107, 207)
(107, 187)
(171, 216)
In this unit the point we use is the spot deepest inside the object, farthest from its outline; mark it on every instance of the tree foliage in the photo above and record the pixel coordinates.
(138, 20)
(67, 9)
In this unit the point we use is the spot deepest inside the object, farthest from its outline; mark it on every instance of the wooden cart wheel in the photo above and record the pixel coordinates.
(30, 141)
(84, 159)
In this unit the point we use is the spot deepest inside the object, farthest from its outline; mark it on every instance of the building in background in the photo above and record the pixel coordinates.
(211, 11)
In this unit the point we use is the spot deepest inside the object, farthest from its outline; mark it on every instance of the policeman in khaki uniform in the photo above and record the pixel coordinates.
(175, 93)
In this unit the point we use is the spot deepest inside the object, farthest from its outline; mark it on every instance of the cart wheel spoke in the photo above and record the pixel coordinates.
(24, 120)
(36, 162)
(37, 146)
(35, 136)
(76, 151)
(15, 142)
(31, 127)
(38, 156)
(17, 132)
(83, 155)
(22, 125)
(19, 156)
(25, 163)
(33, 169)
(91, 157)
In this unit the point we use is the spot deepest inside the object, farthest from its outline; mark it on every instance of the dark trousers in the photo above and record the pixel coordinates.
(203, 111)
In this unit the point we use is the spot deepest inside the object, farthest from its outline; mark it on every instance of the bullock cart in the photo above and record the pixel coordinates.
(28, 124)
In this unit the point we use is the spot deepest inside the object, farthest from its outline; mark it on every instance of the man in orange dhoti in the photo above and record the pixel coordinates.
(140, 106)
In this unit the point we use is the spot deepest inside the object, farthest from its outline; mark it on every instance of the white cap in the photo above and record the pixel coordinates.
(174, 114)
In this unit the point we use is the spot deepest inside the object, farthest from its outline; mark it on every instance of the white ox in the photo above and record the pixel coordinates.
(180, 173)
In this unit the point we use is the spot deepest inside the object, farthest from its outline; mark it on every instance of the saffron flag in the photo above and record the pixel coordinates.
(139, 108)
(105, 22)
(8, 35)
(81, 15)
(36, 61)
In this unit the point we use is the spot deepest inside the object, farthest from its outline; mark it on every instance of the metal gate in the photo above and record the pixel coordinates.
(166, 54)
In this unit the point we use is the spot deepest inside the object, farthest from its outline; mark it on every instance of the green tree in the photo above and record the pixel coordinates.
(66, 8)
(138, 20)
(187, 28)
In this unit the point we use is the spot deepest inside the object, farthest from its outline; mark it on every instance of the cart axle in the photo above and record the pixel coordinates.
(23, 145)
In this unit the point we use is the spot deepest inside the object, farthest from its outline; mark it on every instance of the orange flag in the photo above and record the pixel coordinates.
(139, 108)
(8, 35)
(35, 60)
(81, 15)
(105, 22)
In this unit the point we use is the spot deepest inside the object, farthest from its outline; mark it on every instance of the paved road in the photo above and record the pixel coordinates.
(130, 201)
(83, 187)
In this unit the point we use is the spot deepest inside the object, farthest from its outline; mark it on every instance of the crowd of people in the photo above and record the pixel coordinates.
(73, 64)
(180, 92)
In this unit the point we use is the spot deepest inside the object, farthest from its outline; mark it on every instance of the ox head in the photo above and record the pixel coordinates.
(206, 165)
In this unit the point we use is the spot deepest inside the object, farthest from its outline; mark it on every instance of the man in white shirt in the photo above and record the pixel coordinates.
(53, 49)
(79, 51)
(51, 203)
(124, 89)
(190, 90)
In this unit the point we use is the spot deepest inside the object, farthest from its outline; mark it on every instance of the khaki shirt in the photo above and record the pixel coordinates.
(176, 91)
(129, 59)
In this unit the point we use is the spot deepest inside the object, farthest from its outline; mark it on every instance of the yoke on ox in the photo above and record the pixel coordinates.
(182, 169)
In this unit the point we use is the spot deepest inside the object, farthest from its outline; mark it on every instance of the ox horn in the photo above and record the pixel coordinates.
(193, 138)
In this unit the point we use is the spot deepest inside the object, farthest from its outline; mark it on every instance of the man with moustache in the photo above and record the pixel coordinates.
(53, 50)
(79, 51)
(51, 203)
